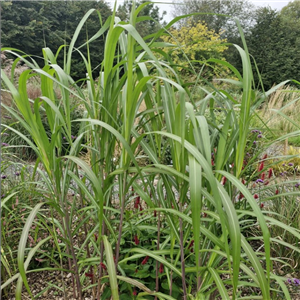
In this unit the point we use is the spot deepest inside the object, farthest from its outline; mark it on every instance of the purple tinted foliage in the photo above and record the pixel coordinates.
(3, 176)
(259, 136)
(5, 144)
(259, 181)
(291, 164)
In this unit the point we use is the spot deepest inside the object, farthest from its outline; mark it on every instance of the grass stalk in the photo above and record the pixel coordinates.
(157, 248)
(182, 260)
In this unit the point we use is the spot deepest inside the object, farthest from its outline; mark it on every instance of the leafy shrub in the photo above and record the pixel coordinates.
(195, 45)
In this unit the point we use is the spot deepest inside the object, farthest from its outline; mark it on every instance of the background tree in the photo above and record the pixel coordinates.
(275, 44)
(21, 26)
(32, 25)
(240, 9)
(145, 27)
(290, 15)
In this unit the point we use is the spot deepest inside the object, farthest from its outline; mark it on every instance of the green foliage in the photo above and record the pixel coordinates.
(185, 226)
(218, 15)
(194, 46)
(149, 15)
(33, 25)
(14, 143)
(273, 42)
(290, 14)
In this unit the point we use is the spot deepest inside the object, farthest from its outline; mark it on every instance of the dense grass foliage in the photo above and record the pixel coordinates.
(110, 211)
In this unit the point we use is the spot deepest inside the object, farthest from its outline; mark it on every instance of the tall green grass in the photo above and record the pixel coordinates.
(186, 205)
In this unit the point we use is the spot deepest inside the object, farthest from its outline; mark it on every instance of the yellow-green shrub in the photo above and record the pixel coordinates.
(195, 44)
